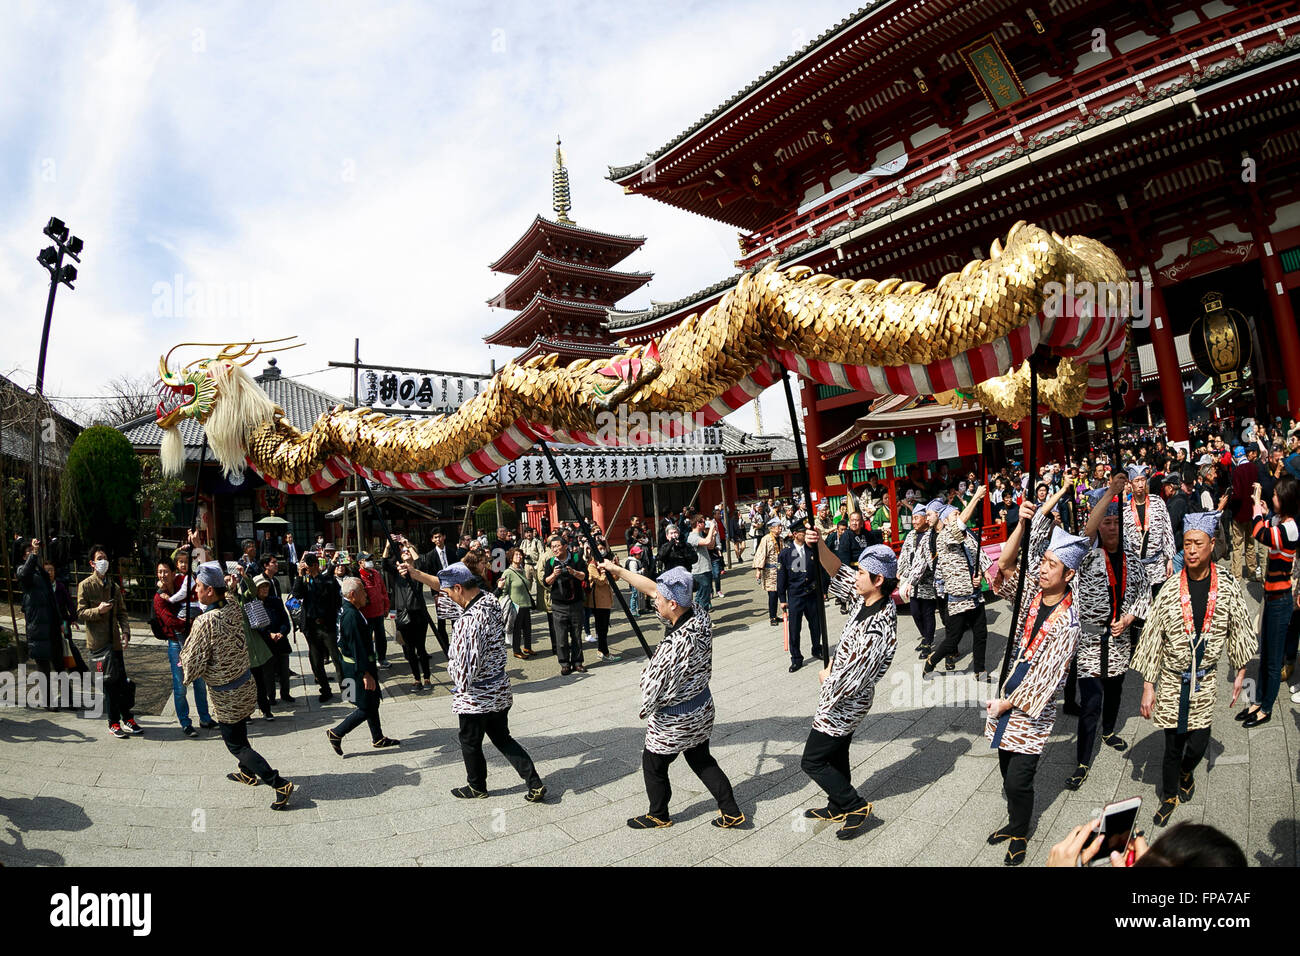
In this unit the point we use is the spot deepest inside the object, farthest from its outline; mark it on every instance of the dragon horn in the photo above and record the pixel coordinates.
(232, 353)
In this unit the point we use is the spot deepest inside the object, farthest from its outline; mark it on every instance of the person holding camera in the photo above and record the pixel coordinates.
(564, 575)
(321, 600)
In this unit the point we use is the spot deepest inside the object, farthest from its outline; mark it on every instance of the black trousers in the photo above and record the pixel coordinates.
(440, 633)
(1099, 699)
(381, 637)
(601, 614)
(250, 761)
(654, 767)
(1018, 784)
(923, 615)
(264, 678)
(367, 711)
(826, 761)
(318, 651)
(1072, 683)
(280, 667)
(804, 609)
(115, 691)
(976, 620)
(415, 634)
(497, 728)
(568, 630)
(772, 607)
(1182, 753)
(521, 633)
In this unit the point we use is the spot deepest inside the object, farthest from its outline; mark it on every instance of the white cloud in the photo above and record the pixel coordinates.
(341, 171)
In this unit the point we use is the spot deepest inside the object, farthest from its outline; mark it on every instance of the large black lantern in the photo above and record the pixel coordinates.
(1220, 342)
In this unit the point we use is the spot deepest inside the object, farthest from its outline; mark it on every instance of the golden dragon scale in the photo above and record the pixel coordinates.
(972, 331)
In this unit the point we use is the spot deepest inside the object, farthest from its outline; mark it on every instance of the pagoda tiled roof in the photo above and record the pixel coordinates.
(523, 325)
(514, 293)
(530, 241)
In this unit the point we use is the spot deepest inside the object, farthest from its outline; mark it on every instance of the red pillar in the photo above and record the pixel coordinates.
(812, 429)
(1170, 376)
(1284, 325)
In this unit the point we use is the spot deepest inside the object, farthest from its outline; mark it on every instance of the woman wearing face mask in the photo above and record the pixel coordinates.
(101, 607)
(375, 610)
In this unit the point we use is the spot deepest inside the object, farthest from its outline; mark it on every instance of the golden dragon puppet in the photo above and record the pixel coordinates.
(973, 330)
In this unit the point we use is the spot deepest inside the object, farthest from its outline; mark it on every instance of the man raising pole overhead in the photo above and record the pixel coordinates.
(675, 698)
(864, 653)
(1044, 639)
(1111, 592)
(961, 564)
(918, 551)
(1146, 522)
(1190, 628)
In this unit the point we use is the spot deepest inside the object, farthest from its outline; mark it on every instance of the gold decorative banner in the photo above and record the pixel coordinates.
(997, 80)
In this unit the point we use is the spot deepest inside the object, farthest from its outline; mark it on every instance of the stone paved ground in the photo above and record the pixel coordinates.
(69, 794)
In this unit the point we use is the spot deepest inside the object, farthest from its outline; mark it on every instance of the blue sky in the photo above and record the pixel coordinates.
(337, 170)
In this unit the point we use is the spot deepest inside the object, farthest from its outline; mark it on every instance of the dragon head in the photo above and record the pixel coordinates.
(218, 394)
(624, 375)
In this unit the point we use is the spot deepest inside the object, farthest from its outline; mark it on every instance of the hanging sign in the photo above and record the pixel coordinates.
(433, 393)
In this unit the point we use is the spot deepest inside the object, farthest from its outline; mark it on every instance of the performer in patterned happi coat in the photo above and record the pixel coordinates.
(1044, 638)
(476, 664)
(864, 653)
(1190, 627)
(918, 552)
(766, 554)
(217, 652)
(960, 564)
(1110, 593)
(675, 698)
(1147, 524)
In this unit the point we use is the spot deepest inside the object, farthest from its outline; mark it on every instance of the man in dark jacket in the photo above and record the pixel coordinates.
(360, 670)
(44, 627)
(854, 540)
(674, 552)
(321, 600)
(796, 589)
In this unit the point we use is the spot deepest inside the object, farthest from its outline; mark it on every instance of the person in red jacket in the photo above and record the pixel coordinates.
(376, 607)
(175, 630)
(1241, 505)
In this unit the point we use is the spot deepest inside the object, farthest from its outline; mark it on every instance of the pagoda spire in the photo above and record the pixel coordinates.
(560, 186)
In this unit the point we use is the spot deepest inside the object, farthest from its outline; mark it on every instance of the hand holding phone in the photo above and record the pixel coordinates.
(1116, 827)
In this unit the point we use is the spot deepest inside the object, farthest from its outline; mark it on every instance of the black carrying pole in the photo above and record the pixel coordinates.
(1114, 443)
(808, 509)
(374, 506)
(1031, 459)
(594, 545)
(189, 548)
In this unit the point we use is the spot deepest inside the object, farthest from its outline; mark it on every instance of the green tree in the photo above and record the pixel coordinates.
(101, 486)
(157, 501)
(485, 516)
